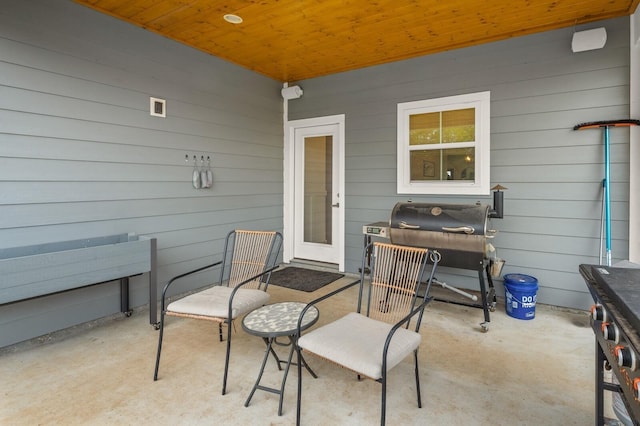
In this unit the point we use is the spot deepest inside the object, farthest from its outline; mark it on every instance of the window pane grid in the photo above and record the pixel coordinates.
(448, 146)
(444, 145)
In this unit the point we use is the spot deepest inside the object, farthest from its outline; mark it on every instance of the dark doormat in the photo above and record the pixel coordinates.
(302, 279)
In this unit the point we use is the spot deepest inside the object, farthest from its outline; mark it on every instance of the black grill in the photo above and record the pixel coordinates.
(615, 321)
(457, 231)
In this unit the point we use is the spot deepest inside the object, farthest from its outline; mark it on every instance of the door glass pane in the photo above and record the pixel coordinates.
(443, 164)
(318, 154)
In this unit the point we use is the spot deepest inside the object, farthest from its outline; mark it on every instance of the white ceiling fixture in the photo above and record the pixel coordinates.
(232, 19)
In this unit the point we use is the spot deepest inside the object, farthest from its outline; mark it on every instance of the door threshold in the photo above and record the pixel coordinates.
(314, 264)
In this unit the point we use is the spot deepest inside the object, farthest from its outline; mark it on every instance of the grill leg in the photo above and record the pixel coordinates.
(485, 303)
(492, 290)
(599, 385)
(367, 266)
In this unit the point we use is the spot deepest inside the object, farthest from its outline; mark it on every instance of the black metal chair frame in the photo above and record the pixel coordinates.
(226, 263)
(418, 310)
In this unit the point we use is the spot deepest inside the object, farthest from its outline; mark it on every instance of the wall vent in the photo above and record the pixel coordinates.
(157, 107)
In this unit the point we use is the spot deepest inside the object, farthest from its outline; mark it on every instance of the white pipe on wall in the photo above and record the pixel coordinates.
(287, 214)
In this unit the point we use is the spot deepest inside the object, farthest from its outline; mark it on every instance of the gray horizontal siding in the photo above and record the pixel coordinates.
(80, 156)
(539, 91)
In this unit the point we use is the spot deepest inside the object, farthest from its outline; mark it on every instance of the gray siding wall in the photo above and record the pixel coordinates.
(80, 156)
(539, 91)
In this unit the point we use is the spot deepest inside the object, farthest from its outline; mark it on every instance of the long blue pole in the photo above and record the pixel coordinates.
(607, 200)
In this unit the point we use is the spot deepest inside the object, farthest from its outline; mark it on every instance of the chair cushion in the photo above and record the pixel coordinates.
(356, 342)
(214, 302)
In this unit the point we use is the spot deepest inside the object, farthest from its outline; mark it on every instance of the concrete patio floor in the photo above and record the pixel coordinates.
(537, 372)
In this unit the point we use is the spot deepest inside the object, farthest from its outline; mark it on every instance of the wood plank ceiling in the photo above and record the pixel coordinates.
(290, 40)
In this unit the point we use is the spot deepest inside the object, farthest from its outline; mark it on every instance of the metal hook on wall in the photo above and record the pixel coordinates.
(202, 175)
(209, 173)
(195, 175)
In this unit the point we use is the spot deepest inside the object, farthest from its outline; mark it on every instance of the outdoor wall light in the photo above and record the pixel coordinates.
(293, 92)
(589, 40)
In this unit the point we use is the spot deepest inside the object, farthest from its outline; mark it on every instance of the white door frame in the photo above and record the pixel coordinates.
(289, 199)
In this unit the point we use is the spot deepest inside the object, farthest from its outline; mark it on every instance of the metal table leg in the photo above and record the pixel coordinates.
(269, 342)
(264, 362)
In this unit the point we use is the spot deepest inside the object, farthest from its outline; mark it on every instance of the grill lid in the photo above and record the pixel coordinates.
(457, 231)
(469, 219)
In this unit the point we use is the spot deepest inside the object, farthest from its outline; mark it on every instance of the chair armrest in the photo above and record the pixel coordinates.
(418, 310)
(177, 277)
(245, 282)
(320, 299)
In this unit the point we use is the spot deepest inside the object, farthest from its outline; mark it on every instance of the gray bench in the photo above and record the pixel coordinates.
(42, 269)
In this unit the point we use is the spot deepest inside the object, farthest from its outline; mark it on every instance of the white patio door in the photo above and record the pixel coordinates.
(317, 204)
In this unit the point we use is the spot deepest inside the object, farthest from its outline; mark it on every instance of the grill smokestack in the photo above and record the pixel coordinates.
(498, 202)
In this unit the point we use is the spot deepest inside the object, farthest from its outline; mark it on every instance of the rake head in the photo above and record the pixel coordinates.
(608, 123)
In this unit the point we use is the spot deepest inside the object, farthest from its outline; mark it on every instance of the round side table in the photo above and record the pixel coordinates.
(273, 321)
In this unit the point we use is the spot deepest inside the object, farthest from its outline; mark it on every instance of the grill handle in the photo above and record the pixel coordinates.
(405, 225)
(466, 229)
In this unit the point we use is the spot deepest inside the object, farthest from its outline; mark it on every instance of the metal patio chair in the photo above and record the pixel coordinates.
(248, 260)
(378, 336)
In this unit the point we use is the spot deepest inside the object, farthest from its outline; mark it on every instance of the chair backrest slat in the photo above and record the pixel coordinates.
(395, 279)
(252, 254)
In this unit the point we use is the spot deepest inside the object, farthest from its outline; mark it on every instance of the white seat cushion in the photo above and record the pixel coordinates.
(356, 342)
(214, 302)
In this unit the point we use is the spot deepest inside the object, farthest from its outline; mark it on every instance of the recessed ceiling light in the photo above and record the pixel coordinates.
(232, 19)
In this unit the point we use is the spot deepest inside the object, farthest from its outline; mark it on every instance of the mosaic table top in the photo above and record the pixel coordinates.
(279, 319)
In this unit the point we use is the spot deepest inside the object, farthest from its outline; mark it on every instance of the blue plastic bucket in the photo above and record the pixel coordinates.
(520, 296)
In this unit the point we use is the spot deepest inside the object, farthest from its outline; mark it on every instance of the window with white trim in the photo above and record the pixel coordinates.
(443, 145)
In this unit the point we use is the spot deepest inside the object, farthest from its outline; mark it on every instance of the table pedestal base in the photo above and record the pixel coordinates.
(269, 342)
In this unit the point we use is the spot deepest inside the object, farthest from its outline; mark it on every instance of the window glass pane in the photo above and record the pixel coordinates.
(443, 164)
(459, 125)
(459, 164)
(425, 165)
(424, 128)
(442, 127)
